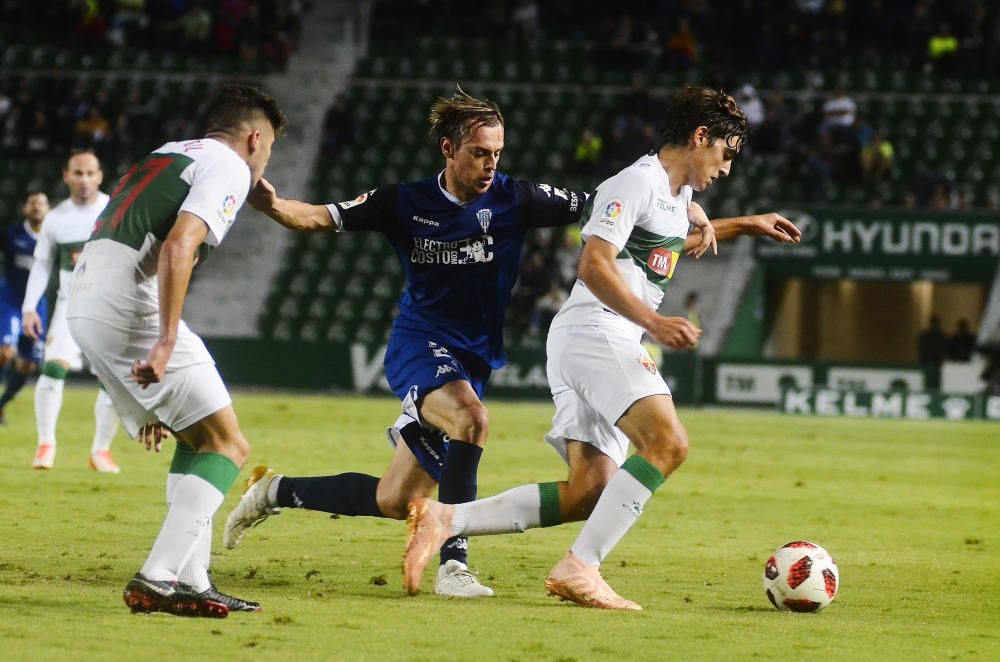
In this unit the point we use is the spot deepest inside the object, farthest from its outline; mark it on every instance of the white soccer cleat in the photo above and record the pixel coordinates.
(45, 456)
(103, 462)
(455, 581)
(252, 508)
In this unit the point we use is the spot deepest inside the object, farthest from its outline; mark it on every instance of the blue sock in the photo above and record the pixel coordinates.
(345, 494)
(458, 485)
(15, 382)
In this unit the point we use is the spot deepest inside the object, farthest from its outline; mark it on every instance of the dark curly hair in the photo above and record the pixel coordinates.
(696, 106)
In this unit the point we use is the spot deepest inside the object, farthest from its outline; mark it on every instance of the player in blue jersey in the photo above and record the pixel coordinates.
(458, 236)
(19, 354)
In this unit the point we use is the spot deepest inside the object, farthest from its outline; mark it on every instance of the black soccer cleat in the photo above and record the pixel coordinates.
(232, 602)
(144, 596)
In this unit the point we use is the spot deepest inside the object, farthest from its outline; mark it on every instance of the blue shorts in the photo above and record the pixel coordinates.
(426, 364)
(10, 327)
(415, 366)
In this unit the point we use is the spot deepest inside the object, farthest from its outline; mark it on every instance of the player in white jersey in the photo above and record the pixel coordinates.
(125, 304)
(606, 389)
(64, 232)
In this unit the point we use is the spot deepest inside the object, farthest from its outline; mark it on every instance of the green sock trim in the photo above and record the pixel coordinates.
(644, 472)
(54, 370)
(216, 469)
(549, 493)
(183, 455)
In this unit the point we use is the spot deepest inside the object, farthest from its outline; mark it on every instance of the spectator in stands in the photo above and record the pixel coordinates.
(92, 130)
(195, 28)
(839, 112)
(991, 374)
(567, 256)
(962, 344)
(691, 309)
(773, 135)
(39, 138)
(12, 140)
(918, 30)
(339, 127)
(932, 346)
(682, 47)
(532, 283)
(751, 105)
(524, 21)
(942, 48)
(546, 308)
(876, 158)
(586, 156)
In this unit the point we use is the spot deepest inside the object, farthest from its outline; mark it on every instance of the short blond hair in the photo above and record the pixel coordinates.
(458, 117)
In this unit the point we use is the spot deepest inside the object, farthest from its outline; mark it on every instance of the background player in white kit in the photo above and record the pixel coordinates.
(125, 303)
(64, 232)
(606, 389)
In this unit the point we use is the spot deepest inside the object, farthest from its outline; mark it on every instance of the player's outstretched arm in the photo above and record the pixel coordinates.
(772, 225)
(600, 274)
(46, 252)
(292, 214)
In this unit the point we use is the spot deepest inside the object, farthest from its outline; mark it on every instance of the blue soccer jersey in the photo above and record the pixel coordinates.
(461, 261)
(18, 255)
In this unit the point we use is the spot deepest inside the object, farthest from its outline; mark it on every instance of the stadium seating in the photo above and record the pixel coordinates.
(550, 92)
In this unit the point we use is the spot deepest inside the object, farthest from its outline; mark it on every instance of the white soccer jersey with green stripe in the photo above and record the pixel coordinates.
(636, 212)
(64, 232)
(116, 274)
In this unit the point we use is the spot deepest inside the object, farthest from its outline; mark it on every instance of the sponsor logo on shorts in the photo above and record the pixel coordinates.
(646, 362)
(444, 370)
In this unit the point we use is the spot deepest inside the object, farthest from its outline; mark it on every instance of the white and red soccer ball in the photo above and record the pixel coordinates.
(801, 576)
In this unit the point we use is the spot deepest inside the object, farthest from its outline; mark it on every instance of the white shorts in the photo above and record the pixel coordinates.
(59, 344)
(595, 374)
(190, 390)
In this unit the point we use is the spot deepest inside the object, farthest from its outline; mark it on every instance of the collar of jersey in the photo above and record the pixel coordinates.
(448, 195)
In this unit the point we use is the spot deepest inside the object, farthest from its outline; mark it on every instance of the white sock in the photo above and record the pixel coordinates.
(48, 402)
(272, 491)
(195, 571)
(192, 504)
(105, 422)
(512, 511)
(616, 511)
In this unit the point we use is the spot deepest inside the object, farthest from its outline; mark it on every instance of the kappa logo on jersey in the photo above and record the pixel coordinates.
(646, 362)
(611, 212)
(228, 207)
(356, 201)
(663, 261)
(425, 221)
(484, 216)
(565, 194)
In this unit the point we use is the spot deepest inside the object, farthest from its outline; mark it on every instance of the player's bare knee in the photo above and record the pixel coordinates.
(472, 423)
(391, 501)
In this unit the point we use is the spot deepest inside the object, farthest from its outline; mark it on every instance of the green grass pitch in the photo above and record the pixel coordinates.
(910, 510)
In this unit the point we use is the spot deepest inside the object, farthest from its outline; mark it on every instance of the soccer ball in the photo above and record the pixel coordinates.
(801, 576)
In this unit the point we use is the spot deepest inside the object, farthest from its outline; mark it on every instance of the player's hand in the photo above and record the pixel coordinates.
(776, 227)
(674, 332)
(153, 434)
(708, 240)
(31, 325)
(151, 370)
(263, 197)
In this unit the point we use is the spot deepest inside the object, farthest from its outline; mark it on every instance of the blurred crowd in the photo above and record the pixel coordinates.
(254, 30)
(957, 36)
(62, 115)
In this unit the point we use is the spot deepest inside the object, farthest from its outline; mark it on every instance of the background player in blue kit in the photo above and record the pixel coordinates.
(19, 354)
(458, 236)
